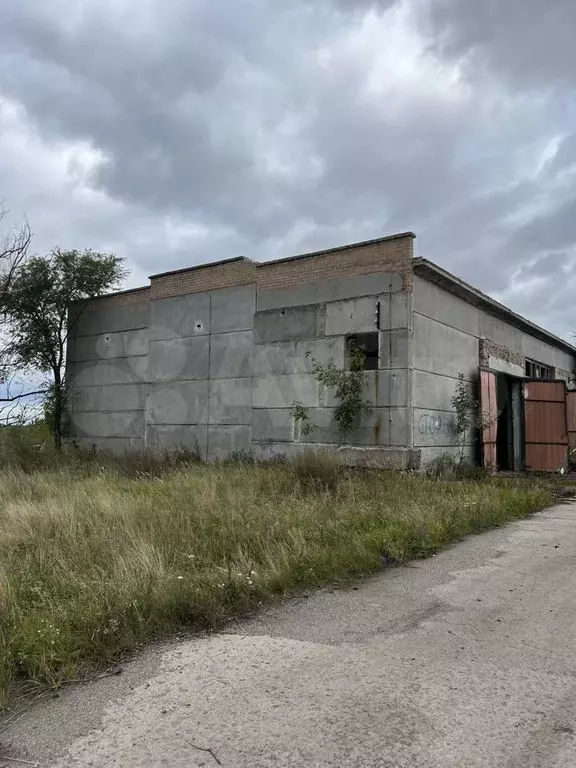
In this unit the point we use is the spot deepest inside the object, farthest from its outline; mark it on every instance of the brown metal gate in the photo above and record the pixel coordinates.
(571, 417)
(489, 414)
(546, 428)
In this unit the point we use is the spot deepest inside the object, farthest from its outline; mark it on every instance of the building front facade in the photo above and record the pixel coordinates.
(212, 358)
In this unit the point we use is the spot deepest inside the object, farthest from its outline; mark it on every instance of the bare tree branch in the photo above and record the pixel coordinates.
(14, 247)
(24, 394)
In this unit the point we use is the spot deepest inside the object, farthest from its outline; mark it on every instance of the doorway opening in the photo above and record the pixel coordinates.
(509, 427)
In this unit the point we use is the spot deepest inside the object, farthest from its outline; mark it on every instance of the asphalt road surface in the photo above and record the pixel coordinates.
(466, 660)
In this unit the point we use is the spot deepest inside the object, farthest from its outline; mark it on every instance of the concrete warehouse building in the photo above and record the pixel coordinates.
(213, 357)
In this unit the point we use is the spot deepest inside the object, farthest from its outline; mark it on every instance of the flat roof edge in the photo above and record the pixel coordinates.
(114, 293)
(336, 249)
(436, 274)
(205, 265)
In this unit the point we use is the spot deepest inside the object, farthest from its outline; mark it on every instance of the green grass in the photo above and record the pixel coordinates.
(94, 562)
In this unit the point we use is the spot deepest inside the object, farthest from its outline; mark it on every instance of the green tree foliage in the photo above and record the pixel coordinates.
(302, 418)
(36, 312)
(348, 386)
(466, 406)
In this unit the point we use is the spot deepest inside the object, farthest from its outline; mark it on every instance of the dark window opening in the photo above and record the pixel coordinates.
(536, 370)
(368, 342)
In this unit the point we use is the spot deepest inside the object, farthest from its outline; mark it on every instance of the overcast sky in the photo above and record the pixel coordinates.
(174, 132)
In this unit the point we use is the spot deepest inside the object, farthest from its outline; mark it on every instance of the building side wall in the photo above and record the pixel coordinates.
(108, 369)
(212, 359)
(289, 335)
(452, 337)
(199, 391)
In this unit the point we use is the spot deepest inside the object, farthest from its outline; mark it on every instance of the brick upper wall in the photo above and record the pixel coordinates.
(387, 254)
(205, 278)
(120, 299)
(391, 254)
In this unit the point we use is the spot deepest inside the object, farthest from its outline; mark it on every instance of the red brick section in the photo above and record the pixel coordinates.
(120, 299)
(390, 254)
(205, 278)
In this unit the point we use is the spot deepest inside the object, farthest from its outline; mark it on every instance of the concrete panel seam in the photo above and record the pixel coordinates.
(195, 336)
(105, 359)
(300, 340)
(76, 336)
(442, 375)
(119, 384)
(430, 408)
(446, 325)
(106, 410)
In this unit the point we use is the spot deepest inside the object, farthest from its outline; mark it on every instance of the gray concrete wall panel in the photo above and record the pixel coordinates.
(429, 454)
(129, 370)
(282, 391)
(400, 427)
(371, 432)
(542, 353)
(499, 332)
(291, 356)
(334, 289)
(112, 320)
(107, 424)
(441, 349)
(290, 323)
(180, 316)
(433, 302)
(110, 345)
(399, 314)
(377, 457)
(117, 446)
(224, 440)
(230, 401)
(505, 366)
(395, 349)
(179, 359)
(434, 428)
(392, 387)
(179, 402)
(272, 425)
(169, 437)
(430, 300)
(231, 355)
(433, 391)
(233, 309)
(355, 315)
(370, 391)
(119, 397)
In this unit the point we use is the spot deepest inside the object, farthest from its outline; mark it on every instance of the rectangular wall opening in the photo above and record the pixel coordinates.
(509, 436)
(369, 343)
(535, 370)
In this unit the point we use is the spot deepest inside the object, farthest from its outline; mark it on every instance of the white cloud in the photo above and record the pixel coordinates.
(175, 133)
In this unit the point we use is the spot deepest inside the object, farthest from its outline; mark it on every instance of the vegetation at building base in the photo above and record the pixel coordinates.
(347, 385)
(98, 556)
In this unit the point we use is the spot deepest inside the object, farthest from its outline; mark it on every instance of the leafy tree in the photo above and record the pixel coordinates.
(15, 239)
(36, 306)
(347, 386)
(468, 417)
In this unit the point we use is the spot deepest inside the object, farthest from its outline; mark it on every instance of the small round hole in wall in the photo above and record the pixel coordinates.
(282, 312)
(198, 326)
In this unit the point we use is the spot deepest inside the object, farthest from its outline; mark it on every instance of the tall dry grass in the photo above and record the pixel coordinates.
(93, 563)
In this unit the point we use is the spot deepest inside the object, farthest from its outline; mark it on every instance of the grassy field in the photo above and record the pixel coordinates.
(95, 559)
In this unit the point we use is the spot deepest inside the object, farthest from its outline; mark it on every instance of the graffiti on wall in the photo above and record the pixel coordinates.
(436, 424)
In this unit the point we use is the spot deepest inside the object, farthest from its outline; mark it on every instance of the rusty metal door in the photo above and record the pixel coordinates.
(489, 414)
(571, 418)
(546, 427)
